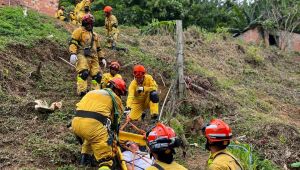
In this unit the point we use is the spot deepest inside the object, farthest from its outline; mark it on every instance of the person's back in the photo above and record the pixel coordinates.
(218, 135)
(161, 165)
(223, 160)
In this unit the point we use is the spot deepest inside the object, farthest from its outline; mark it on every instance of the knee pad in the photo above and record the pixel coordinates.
(154, 97)
(84, 74)
(97, 77)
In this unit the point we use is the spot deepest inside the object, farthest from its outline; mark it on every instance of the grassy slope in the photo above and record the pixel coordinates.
(256, 89)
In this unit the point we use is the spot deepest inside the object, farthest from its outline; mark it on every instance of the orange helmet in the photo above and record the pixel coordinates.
(162, 138)
(115, 66)
(107, 9)
(217, 131)
(139, 71)
(119, 84)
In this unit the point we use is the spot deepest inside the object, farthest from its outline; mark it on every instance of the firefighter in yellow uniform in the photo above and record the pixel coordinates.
(114, 68)
(142, 94)
(111, 26)
(81, 9)
(218, 135)
(96, 122)
(60, 14)
(85, 53)
(73, 18)
(162, 142)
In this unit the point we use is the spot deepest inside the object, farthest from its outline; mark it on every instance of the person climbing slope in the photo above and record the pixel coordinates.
(60, 14)
(85, 53)
(111, 26)
(114, 69)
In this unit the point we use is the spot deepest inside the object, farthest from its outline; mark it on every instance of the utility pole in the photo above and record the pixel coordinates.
(179, 53)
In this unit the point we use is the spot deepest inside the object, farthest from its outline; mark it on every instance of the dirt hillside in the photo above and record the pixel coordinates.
(254, 89)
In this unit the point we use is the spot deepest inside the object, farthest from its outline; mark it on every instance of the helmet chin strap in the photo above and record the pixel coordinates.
(140, 80)
(207, 145)
(89, 28)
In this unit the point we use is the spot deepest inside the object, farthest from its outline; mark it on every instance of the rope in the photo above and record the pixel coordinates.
(135, 154)
(141, 131)
(162, 108)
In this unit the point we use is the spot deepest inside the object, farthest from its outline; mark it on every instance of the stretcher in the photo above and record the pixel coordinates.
(127, 136)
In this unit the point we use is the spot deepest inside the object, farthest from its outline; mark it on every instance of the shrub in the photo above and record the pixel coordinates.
(253, 56)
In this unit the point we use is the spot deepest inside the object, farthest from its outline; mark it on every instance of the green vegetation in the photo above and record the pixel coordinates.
(250, 159)
(253, 56)
(234, 16)
(15, 28)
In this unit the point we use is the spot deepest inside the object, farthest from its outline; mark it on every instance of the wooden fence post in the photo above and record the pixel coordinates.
(179, 53)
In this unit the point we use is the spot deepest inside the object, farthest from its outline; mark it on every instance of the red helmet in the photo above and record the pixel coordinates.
(161, 138)
(88, 20)
(217, 131)
(115, 66)
(139, 71)
(119, 84)
(107, 9)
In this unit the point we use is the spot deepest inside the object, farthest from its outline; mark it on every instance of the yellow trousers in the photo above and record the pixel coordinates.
(112, 39)
(140, 104)
(92, 65)
(95, 138)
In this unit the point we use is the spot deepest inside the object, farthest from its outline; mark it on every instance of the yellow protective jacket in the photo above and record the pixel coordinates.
(73, 18)
(81, 38)
(111, 25)
(106, 78)
(165, 166)
(149, 85)
(60, 14)
(99, 101)
(223, 160)
(80, 6)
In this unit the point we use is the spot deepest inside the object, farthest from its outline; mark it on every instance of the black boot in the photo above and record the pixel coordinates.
(143, 116)
(85, 159)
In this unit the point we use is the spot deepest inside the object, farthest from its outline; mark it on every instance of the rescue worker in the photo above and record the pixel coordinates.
(114, 69)
(60, 14)
(218, 135)
(73, 18)
(142, 94)
(80, 9)
(111, 26)
(162, 142)
(85, 53)
(96, 122)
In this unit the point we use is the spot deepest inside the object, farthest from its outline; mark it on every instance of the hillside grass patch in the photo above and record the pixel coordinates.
(16, 28)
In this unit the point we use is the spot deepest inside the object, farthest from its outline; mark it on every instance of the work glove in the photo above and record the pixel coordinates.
(113, 46)
(127, 110)
(140, 89)
(154, 119)
(73, 58)
(104, 62)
